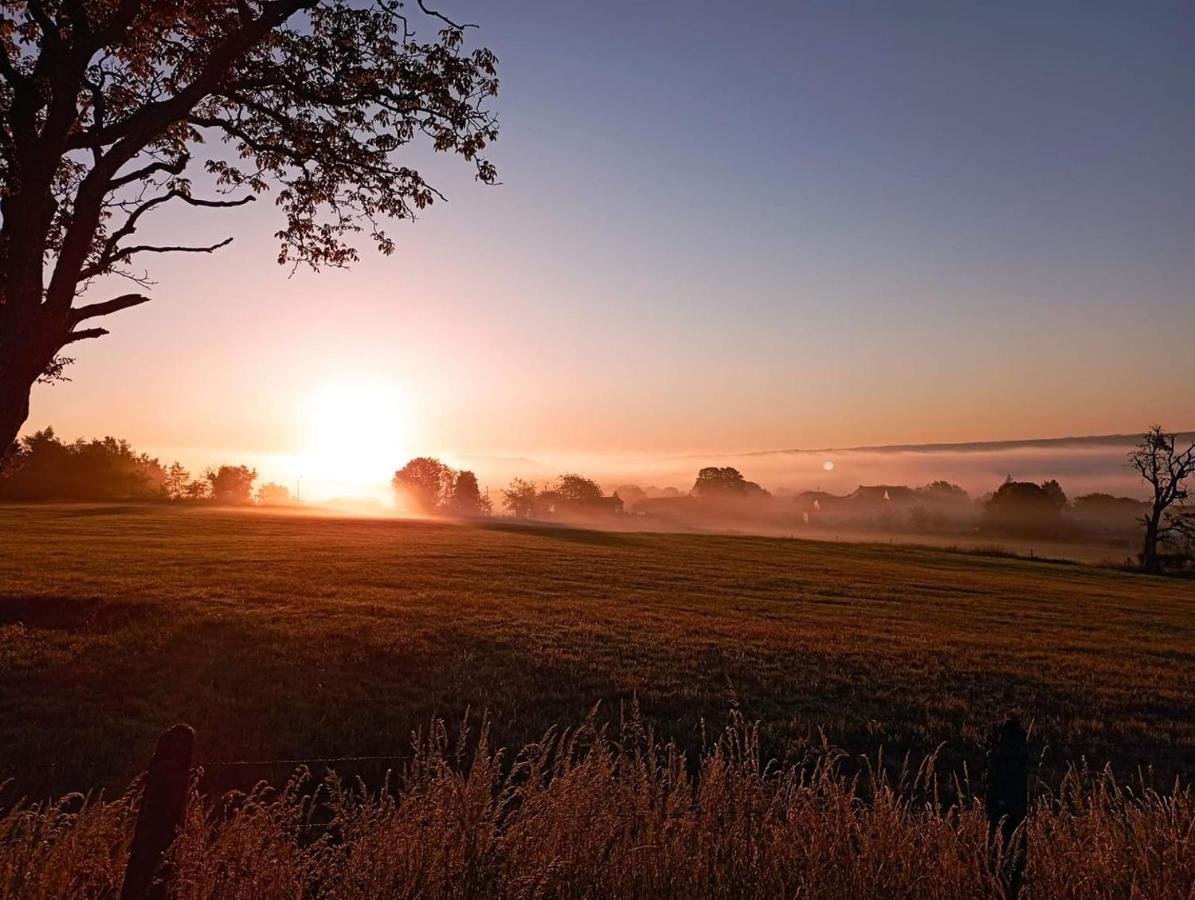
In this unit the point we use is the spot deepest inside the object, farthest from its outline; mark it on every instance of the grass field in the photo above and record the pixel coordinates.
(282, 636)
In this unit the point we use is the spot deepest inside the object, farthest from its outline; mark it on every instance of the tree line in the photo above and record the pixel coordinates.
(43, 468)
(428, 486)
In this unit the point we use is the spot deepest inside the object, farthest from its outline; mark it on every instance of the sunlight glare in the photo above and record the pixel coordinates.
(356, 436)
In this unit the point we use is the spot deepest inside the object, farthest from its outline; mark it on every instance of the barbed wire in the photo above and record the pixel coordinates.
(1040, 747)
(228, 763)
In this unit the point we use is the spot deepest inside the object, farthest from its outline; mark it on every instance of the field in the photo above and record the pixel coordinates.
(283, 637)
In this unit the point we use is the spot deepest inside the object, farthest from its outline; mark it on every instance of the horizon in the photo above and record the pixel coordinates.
(1083, 464)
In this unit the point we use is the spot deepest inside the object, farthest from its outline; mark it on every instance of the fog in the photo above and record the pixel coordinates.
(1081, 465)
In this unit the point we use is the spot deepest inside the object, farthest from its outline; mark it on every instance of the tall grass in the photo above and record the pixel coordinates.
(583, 813)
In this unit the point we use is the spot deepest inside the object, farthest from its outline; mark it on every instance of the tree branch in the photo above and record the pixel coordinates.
(92, 310)
(49, 28)
(131, 136)
(112, 253)
(84, 335)
(443, 18)
(8, 71)
(174, 167)
(147, 248)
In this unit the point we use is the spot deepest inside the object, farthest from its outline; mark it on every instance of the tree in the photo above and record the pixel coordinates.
(726, 482)
(1054, 494)
(630, 494)
(576, 487)
(107, 107)
(197, 490)
(943, 492)
(547, 503)
(175, 481)
(44, 468)
(232, 485)
(520, 498)
(466, 497)
(1104, 513)
(273, 494)
(1166, 469)
(1022, 507)
(424, 484)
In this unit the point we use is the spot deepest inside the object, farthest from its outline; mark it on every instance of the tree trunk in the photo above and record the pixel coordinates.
(14, 409)
(30, 338)
(1149, 553)
(25, 352)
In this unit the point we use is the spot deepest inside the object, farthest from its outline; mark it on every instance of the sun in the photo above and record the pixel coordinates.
(828, 465)
(356, 433)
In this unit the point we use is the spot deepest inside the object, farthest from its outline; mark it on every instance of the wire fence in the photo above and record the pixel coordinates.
(299, 761)
(1042, 748)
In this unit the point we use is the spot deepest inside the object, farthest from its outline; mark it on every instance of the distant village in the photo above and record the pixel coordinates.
(46, 469)
(722, 497)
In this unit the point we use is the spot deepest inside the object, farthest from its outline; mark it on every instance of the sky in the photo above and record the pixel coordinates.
(721, 228)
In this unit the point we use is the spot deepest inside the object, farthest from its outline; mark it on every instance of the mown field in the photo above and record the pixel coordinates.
(281, 637)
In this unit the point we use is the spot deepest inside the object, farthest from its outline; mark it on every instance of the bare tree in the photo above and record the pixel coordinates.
(105, 105)
(1166, 469)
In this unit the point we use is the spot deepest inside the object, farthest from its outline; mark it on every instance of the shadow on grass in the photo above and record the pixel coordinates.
(80, 512)
(70, 614)
(576, 533)
(88, 688)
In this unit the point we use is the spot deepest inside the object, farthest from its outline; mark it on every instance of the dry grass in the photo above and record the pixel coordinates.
(582, 815)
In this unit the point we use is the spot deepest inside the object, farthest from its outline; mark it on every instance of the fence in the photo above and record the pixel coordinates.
(164, 805)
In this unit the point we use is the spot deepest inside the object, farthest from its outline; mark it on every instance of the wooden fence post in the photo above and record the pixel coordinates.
(163, 807)
(1007, 796)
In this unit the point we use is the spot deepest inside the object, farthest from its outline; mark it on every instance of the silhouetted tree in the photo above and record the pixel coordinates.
(466, 497)
(231, 485)
(1101, 512)
(546, 503)
(1055, 494)
(938, 505)
(425, 483)
(44, 468)
(176, 480)
(576, 487)
(725, 482)
(719, 480)
(1166, 469)
(631, 494)
(519, 499)
(1101, 504)
(942, 492)
(273, 494)
(197, 490)
(1022, 507)
(106, 104)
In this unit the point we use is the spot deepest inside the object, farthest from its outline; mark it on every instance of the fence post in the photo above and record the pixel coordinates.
(1006, 796)
(163, 807)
